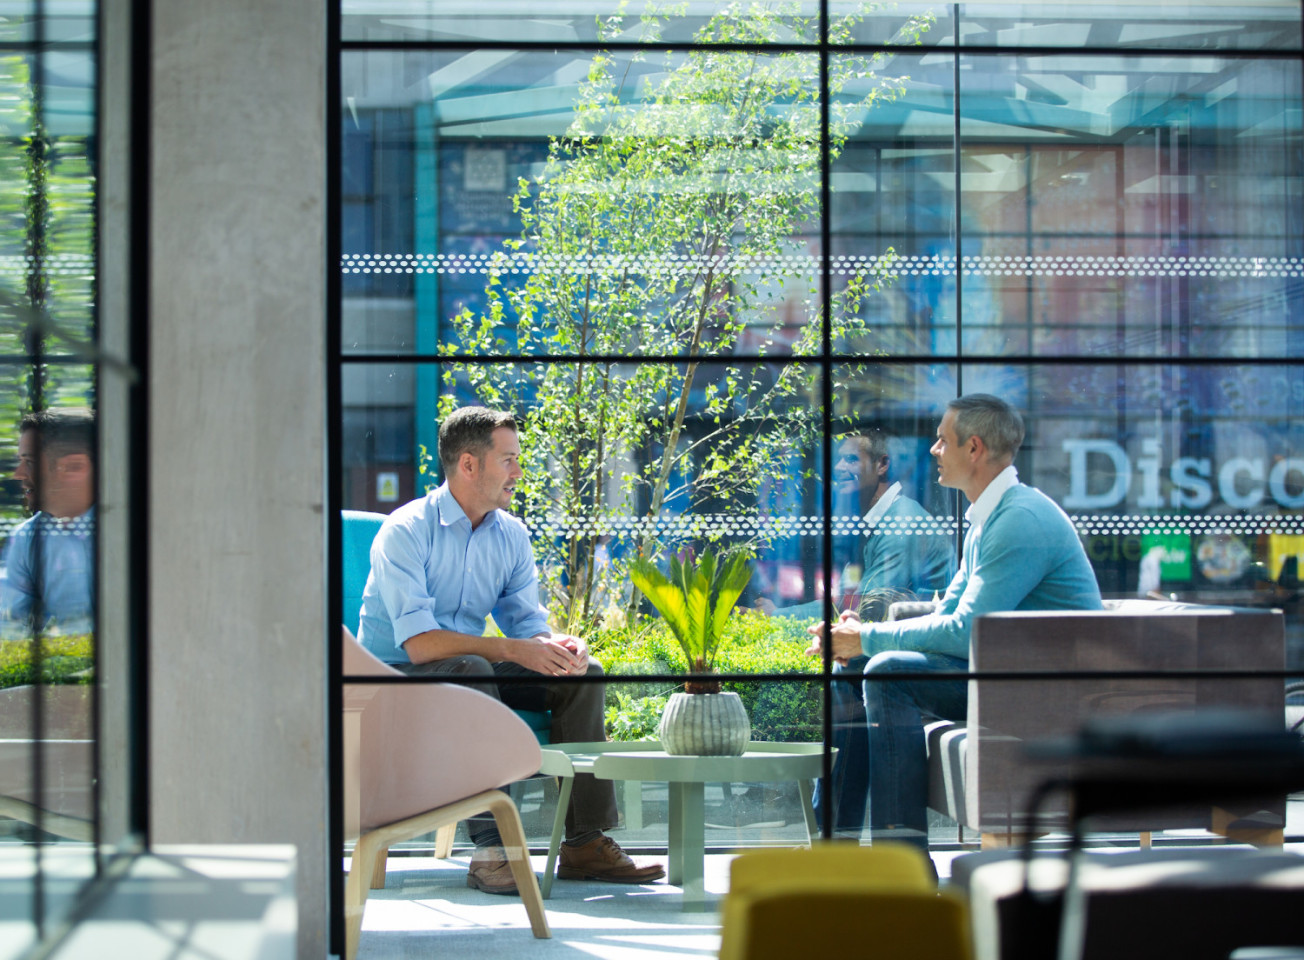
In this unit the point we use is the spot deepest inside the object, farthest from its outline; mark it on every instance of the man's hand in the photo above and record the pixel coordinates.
(558, 655)
(844, 638)
(578, 648)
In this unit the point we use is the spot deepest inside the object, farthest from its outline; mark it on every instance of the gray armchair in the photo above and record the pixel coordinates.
(978, 771)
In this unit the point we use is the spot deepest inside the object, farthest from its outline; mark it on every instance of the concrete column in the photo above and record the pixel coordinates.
(237, 373)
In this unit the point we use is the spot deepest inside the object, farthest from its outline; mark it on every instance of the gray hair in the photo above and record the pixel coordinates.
(470, 430)
(993, 421)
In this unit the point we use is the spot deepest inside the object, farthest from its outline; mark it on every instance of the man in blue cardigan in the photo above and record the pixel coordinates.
(1021, 552)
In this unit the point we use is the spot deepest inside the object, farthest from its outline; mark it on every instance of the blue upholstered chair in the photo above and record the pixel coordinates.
(359, 528)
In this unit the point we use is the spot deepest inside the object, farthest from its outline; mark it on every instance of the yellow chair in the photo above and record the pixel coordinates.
(872, 902)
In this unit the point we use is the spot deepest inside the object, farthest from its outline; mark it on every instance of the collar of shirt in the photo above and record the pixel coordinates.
(451, 512)
(880, 506)
(81, 524)
(982, 508)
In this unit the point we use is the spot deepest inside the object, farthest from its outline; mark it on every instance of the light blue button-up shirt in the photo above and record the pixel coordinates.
(431, 571)
(67, 574)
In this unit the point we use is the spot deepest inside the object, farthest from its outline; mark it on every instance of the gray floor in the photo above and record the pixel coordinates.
(426, 910)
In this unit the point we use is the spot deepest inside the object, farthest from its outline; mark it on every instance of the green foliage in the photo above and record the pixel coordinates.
(695, 600)
(665, 222)
(634, 718)
(753, 643)
(63, 660)
(47, 223)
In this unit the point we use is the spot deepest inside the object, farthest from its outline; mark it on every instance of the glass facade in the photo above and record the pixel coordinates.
(716, 256)
(48, 445)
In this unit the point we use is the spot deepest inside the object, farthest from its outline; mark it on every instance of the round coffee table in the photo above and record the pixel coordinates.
(687, 778)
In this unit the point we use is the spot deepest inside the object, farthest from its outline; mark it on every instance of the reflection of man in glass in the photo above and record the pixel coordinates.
(904, 557)
(1021, 553)
(55, 467)
(902, 551)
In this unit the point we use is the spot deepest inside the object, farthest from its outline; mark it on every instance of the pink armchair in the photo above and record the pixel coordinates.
(420, 757)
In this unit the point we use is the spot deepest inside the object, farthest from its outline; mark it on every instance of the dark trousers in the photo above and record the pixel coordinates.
(882, 761)
(577, 717)
(898, 752)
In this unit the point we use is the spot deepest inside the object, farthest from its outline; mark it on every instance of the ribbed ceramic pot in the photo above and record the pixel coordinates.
(705, 725)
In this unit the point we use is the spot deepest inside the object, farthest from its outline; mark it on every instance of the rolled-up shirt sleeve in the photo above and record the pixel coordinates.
(399, 571)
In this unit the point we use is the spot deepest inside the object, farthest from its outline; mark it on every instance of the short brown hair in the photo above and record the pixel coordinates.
(870, 441)
(62, 430)
(470, 430)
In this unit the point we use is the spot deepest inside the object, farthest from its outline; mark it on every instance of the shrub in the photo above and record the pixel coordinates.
(633, 717)
(63, 660)
(753, 643)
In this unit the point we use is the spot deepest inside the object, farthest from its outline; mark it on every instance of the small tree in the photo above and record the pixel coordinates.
(663, 225)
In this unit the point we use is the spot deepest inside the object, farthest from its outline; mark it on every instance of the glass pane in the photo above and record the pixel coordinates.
(1196, 26)
(480, 219)
(607, 21)
(893, 213)
(69, 21)
(620, 461)
(1131, 207)
(1029, 729)
(17, 708)
(1184, 481)
(46, 622)
(892, 24)
(47, 590)
(64, 595)
(16, 27)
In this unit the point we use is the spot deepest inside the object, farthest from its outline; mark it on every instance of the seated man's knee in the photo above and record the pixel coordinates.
(878, 690)
(894, 661)
(595, 669)
(468, 665)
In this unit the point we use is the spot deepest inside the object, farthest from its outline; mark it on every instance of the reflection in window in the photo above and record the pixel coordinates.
(48, 449)
(600, 238)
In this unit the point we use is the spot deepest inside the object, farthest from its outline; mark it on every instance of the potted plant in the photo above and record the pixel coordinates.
(695, 601)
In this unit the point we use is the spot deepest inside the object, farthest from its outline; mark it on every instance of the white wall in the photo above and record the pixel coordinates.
(237, 368)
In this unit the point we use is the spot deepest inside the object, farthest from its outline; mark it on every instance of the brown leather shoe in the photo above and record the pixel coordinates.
(602, 859)
(491, 872)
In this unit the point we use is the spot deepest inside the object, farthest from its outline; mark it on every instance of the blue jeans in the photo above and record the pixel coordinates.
(897, 754)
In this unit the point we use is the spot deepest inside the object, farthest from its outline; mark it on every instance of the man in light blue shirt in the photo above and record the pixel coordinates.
(1021, 553)
(441, 565)
(48, 579)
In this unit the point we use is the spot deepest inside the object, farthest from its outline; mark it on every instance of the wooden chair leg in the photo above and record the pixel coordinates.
(1223, 822)
(518, 855)
(1000, 841)
(378, 871)
(1144, 840)
(1003, 841)
(444, 841)
(356, 888)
